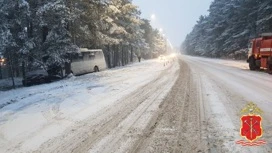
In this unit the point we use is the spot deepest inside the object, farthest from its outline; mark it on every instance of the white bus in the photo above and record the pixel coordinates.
(87, 61)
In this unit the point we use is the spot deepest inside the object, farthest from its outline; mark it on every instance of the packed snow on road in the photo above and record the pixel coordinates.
(31, 116)
(181, 104)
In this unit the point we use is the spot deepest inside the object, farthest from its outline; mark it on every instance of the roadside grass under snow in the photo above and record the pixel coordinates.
(6, 84)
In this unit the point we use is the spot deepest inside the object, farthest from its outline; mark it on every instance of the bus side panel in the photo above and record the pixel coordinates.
(82, 67)
(100, 61)
(87, 65)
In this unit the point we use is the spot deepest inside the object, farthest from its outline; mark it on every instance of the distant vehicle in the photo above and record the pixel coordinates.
(162, 57)
(38, 77)
(87, 61)
(260, 53)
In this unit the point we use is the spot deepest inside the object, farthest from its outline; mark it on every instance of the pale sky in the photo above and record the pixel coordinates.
(175, 18)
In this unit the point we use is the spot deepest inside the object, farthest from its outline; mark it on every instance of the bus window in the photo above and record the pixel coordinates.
(99, 54)
(77, 57)
(92, 56)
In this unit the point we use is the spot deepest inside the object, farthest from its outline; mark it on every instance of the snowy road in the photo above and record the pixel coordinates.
(225, 88)
(190, 105)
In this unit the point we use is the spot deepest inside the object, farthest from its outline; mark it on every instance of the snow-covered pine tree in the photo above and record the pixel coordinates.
(149, 39)
(228, 27)
(38, 33)
(131, 21)
(264, 20)
(13, 31)
(54, 17)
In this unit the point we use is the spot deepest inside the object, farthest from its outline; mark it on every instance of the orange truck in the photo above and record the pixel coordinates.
(260, 53)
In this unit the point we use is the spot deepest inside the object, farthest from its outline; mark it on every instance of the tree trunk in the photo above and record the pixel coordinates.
(68, 68)
(114, 56)
(127, 55)
(123, 56)
(11, 70)
(61, 71)
(131, 54)
(45, 31)
(108, 56)
(23, 69)
(17, 70)
(118, 55)
(139, 59)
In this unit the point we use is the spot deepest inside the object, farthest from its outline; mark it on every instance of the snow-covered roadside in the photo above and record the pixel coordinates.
(42, 112)
(6, 84)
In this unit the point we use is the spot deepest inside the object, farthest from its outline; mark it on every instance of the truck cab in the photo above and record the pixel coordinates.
(260, 53)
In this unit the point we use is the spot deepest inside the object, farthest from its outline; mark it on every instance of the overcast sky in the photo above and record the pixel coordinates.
(175, 17)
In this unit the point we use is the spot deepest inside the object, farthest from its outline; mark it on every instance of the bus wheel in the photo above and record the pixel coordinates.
(252, 64)
(269, 64)
(269, 69)
(96, 69)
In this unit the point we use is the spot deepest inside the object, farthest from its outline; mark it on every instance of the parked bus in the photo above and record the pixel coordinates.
(87, 61)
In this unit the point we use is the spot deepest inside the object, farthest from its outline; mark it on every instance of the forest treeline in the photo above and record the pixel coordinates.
(227, 29)
(46, 32)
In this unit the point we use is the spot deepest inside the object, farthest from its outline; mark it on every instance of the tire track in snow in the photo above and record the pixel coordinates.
(178, 126)
(83, 135)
